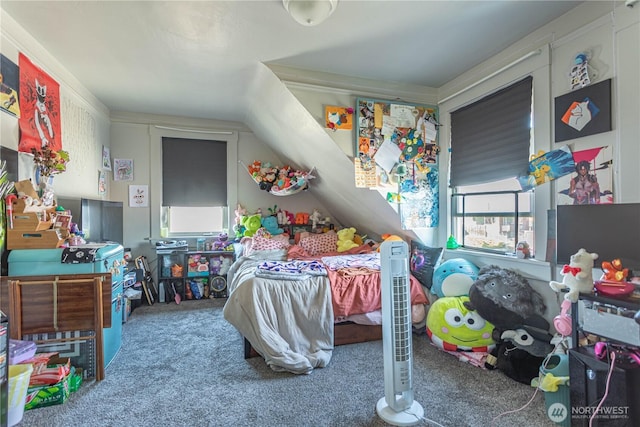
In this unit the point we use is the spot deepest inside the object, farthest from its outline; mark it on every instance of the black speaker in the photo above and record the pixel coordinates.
(588, 379)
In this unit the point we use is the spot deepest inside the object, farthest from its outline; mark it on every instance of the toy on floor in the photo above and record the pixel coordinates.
(454, 277)
(452, 327)
(536, 343)
(577, 276)
(506, 299)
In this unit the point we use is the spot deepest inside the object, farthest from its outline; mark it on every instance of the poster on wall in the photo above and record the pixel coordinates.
(546, 167)
(583, 112)
(420, 199)
(123, 169)
(106, 158)
(40, 108)
(592, 180)
(9, 86)
(138, 196)
(338, 118)
(102, 183)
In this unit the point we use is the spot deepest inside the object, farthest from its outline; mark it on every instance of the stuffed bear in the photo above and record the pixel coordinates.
(270, 223)
(345, 239)
(251, 224)
(577, 276)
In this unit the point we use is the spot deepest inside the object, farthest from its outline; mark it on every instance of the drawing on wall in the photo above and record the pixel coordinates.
(338, 117)
(583, 112)
(102, 183)
(106, 158)
(138, 196)
(9, 86)
(40, 108)
(419, 205)
(592, 180)
(546, 167)
(365, 177)
(123, 169)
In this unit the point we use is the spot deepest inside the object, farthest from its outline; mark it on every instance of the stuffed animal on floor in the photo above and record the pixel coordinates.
(505, 298)
(345, 239)
(454, 277)
(515, 363)
(533, 341)
(577, 276)
(452, 327)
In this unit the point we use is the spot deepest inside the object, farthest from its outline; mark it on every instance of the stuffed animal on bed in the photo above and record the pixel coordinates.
(251, 224)
(452, 327)
(345, 239)
(577, 276)
(270, 223)
(505, 298)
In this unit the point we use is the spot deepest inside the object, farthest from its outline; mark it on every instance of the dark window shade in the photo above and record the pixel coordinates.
(194, 172)
(490, 138)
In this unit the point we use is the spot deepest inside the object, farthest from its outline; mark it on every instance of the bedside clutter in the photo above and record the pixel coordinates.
(605, 363)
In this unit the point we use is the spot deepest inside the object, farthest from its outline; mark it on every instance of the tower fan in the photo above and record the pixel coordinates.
(397, 407)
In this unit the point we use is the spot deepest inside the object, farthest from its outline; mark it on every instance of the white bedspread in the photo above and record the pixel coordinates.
(288, 322)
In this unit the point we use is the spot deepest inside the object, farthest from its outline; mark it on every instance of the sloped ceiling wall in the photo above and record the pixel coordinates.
(276, 116)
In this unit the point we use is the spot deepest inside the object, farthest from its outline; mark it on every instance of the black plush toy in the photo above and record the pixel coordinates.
(505, 298)
(515, 363)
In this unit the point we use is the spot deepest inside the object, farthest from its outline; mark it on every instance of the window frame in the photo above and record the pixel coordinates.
(538, 67)
(156, 133)
(515, 215)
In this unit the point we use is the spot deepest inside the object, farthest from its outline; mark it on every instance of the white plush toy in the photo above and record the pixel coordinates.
(577, 276)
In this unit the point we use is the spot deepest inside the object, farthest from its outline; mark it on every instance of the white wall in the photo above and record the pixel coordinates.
(137, 136)
(84, 120)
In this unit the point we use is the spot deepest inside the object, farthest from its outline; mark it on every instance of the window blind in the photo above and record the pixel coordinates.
(194, 172)
(490, 138)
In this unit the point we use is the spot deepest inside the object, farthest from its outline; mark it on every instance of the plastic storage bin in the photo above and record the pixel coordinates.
(557, 403)
(19, 351)
(19, 376)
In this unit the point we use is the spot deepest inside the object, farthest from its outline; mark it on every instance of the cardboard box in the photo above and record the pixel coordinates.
(49, 395)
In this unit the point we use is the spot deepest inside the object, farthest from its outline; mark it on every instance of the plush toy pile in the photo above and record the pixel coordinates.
(279, 181)
(490, 317)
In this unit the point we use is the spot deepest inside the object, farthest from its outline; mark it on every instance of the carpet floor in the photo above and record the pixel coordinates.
(183, 365)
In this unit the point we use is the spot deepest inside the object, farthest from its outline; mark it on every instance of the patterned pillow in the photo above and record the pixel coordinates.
(316, 244)
(424, 260)
(264, 241)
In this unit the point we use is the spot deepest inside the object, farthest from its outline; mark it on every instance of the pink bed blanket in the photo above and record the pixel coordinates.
(354, 277)
(360, 293)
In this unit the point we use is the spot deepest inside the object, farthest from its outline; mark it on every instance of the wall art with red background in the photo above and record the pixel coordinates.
(39, 107)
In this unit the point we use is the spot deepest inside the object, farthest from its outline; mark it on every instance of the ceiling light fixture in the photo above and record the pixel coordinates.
(310, 12)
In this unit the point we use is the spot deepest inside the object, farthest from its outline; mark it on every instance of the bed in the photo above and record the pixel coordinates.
(292, 304)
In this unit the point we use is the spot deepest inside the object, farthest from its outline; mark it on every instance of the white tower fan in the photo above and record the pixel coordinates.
(397, 407)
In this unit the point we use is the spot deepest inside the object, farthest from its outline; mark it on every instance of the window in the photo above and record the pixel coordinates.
(491, 217)
(491, 140)
(194, 185)
(196, 181)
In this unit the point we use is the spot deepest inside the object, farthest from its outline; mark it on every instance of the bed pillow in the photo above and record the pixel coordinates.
(265, 241)
(316, 244)
(424, 260)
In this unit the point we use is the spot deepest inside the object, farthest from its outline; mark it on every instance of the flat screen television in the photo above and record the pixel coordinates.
(610, 230)
(101, 221)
